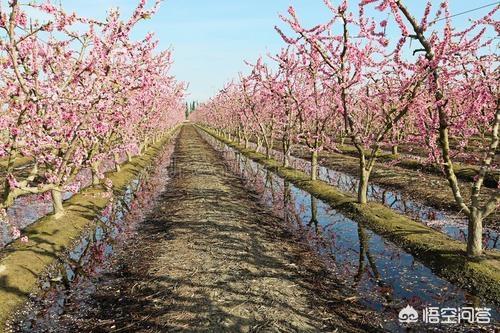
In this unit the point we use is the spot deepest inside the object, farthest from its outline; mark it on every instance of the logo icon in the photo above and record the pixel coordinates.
(408, 315)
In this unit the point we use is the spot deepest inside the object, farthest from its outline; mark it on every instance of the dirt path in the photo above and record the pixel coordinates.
(209, 259)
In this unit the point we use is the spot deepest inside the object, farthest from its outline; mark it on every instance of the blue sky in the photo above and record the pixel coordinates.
(211, 38)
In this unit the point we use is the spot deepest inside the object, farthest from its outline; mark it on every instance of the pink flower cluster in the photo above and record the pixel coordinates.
(80, 95)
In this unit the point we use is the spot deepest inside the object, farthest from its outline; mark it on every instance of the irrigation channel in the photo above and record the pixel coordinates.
(218, 243)
(450, 222)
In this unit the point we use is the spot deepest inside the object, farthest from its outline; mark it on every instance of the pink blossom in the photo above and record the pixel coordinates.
(15, 232)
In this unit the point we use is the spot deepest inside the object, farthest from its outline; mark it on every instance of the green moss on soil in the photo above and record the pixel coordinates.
(21, 265)
(446, 256)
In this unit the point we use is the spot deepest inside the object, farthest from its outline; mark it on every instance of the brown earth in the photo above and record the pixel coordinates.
(211, 259)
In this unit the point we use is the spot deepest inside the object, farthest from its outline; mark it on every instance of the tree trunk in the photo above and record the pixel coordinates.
(117, 163)
(286, 159)
(314, 165)
(363, 246)
(95, 173)
(286, 153)
(395, 150)
(286, 199)
(475, 234)
(363, 185)
(314, 213)
(6, 197)
(57, 203)
(259, 145)
(271, 146)
(129, 157)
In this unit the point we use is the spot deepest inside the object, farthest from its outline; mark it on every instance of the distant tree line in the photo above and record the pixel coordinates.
(191, 107)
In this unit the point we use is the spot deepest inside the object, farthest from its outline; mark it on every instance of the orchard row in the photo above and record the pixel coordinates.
(435, 87)
(77, 92)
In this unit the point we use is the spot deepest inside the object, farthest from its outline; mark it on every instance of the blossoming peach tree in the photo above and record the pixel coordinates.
(462, 99)
(76, 91)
